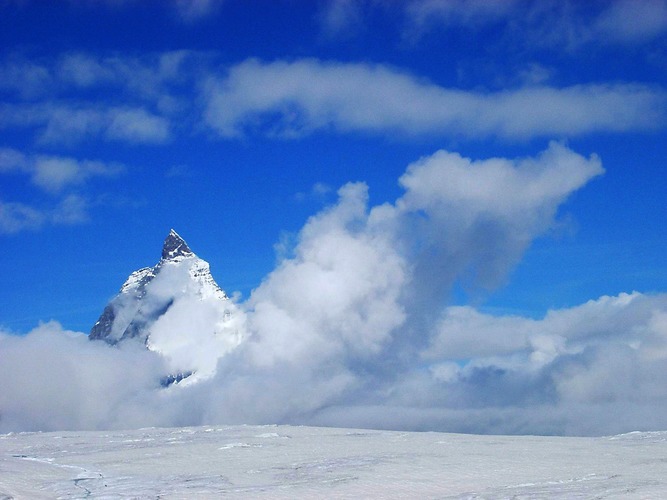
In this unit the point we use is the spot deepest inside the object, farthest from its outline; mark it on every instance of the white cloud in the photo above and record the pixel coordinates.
(16, 217)
(341, 18)
(148, 78)
(57, 176)
(339, 293)
(550, 23)
(347, 319)
(28, 79)
(137, 125)
(423, 14)
(354, 328)
(72, 209)
(12, 160)
(56, 379)
(53, 174)
(291, 99)
(67, 124)
(195, 10)
(80, 96)
(82, 70)
(628, 21)
(464, 332)
(474, 219)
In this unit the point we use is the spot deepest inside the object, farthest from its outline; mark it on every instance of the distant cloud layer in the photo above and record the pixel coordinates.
(354, 328)
(162, 93)
(55, 176)
(290, 99)
(529, 23)
(79, 98)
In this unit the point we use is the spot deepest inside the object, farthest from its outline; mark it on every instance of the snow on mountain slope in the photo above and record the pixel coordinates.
(307, 462)
(178, 310)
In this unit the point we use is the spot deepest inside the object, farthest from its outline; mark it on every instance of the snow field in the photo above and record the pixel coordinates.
(307, 462)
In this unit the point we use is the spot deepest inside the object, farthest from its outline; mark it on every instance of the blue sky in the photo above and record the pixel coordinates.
(132, 87)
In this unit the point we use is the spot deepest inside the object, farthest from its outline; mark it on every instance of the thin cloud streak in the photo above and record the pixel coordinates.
(163, 93)
(53, 174)
(57, 123)
(551, 23)
(293, 99)
(62, 178)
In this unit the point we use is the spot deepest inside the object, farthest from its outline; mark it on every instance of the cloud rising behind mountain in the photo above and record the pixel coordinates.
(354, 327)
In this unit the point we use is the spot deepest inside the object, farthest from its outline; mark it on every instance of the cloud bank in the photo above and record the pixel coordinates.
(354, 327)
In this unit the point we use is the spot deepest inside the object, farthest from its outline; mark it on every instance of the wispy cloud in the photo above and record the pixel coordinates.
(183, 11)
(292, 99)
(191, 11)
(53, 174)
(552, 24)
(16, 217)
(79, 96)
(628, 21)
(151, 100)
(424, 14)
(341, 18)
(56, 176)
(58, 123)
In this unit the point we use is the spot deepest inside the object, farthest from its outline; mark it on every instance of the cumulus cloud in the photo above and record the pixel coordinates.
(354, 327)
(292, 99)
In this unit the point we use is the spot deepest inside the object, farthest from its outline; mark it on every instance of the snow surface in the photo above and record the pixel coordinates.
(307, 462)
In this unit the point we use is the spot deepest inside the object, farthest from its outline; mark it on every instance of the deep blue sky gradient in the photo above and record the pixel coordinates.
(233, 199)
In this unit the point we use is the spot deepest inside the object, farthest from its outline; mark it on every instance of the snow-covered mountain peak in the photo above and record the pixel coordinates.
(177, 309)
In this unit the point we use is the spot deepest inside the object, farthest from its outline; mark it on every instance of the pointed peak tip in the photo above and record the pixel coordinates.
(175, 246)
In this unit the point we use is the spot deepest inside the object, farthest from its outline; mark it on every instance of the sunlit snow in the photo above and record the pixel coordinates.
(307, 462)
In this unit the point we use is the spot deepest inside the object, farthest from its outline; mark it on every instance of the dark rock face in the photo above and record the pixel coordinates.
(103, 326)
(175, 246)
